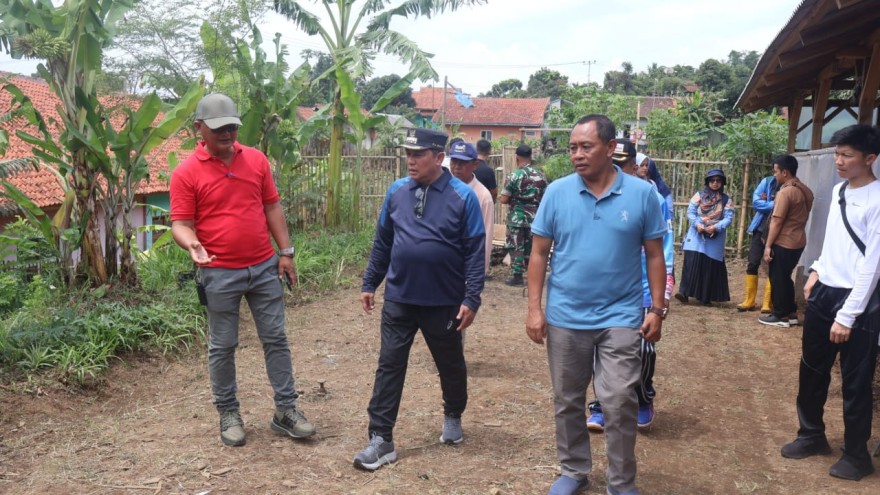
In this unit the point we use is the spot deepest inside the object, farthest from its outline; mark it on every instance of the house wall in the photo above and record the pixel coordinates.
(472, 132)
(140, 216)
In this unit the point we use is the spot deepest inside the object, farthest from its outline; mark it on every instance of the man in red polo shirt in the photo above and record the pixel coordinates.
(224, 206)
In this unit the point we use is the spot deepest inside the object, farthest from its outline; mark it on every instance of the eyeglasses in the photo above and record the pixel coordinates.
(421, 200)
(716, 179)
(225, 128)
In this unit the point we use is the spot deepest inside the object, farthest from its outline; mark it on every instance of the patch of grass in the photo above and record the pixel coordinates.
(73, 335)
(325, 262)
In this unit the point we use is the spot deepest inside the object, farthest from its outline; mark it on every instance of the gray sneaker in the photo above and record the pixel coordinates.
(231, 428)
(376, 454)
(289, 421)
(451, 431)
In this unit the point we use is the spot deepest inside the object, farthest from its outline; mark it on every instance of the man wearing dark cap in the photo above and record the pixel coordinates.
(522, 194)
(484, 172)
(463, 162)
(224, 206)
(429, 248)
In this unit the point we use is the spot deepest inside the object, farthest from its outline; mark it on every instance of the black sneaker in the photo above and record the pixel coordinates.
(844, 469)
(773, 321)
(289, 421)
(802, 448)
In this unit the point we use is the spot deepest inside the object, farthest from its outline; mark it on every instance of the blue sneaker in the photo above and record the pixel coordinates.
(596, 422)
(566, 485)
(646, 416)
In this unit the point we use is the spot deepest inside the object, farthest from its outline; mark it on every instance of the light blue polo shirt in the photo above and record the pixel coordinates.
(596, 271)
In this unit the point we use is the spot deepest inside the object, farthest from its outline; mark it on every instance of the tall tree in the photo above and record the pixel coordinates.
(620, 81)
(321, 87)
(157, 46)
(352, 48)
(546, 83)
(508, 88)
(373, 89)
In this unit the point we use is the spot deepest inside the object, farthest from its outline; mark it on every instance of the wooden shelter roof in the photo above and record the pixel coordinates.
(835, 43)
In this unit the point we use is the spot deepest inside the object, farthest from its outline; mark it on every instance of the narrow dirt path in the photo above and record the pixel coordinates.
(725, 405)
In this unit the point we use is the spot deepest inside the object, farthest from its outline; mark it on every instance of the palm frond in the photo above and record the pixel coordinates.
(418, 8)
(395, 43)
(304, 20)
(9, 168)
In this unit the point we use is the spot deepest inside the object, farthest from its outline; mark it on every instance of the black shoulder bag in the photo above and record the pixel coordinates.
(874, 302)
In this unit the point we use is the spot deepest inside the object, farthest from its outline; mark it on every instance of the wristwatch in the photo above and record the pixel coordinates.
(661, 312)
(287, 252)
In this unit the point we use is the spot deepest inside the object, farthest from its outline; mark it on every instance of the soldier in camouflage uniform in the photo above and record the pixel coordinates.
(522, 194)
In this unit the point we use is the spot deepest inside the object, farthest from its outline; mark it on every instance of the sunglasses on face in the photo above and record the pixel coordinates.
(715, 179)
(225, 128)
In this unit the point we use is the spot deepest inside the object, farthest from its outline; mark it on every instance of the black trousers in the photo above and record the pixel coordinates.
(858, 359)
(400, 322)
(756, 254)
(781, 284)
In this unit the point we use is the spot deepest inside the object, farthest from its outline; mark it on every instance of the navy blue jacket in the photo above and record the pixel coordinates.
(435, 260)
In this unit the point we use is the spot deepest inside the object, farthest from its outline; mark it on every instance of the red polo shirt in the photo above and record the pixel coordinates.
(227, 204)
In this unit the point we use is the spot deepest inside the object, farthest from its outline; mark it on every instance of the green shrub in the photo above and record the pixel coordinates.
(557, 166)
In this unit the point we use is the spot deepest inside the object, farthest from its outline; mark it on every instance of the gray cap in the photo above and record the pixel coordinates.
(217, 110)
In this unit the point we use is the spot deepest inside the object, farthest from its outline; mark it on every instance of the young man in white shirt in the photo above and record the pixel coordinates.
(839, 317)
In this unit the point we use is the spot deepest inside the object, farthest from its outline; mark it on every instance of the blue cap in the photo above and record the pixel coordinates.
(463, 151)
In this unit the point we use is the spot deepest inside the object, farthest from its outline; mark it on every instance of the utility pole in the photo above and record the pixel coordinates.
(589, 66)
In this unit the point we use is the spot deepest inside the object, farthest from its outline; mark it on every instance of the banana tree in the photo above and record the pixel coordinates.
(70, 40)
(352, 47)
(128, 164)
(267, 100)
(361, 124)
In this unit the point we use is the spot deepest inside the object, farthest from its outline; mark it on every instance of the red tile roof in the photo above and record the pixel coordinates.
(486, 111)
(651, 103)
(42, 186)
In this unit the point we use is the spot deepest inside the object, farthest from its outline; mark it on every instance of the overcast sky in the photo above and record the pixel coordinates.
(477, 47)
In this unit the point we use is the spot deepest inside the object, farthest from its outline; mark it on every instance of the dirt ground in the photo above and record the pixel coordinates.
(725, 405)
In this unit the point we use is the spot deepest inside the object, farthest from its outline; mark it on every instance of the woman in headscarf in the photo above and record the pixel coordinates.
(704, 274)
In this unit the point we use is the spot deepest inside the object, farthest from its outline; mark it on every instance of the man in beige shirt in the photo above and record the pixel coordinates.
(463, 162)
(786, 239)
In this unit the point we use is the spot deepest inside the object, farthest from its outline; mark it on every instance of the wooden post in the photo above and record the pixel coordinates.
(742, 217)
(794, 117)
(820, 105)
(870, 84)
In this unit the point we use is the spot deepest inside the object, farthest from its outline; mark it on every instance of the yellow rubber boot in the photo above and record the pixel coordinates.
(767, 307)
(751, 294)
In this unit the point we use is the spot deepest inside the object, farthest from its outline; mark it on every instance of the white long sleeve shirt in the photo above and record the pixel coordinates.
(841, 263)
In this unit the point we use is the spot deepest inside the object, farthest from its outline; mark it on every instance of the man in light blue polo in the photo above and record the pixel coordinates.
(597, 220)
